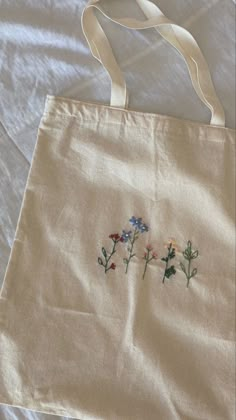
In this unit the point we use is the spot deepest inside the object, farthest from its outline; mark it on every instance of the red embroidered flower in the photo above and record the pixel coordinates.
(115, 236)
(155, 255)
(105, 260)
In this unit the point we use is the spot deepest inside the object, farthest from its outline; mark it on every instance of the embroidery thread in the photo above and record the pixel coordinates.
(105, 261)
(149, 255)
(169, 270)
(130, 237)
(189, 255)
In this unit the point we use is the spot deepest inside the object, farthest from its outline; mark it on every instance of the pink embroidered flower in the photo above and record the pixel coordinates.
(148, 257)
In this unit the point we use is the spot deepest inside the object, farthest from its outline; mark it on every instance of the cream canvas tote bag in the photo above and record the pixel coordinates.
(118, 300)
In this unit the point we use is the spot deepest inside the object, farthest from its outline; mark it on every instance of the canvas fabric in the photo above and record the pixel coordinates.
(119, 297)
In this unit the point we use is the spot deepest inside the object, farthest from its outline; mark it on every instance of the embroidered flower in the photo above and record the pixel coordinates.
(136, 221)
(172, 241)
(132, 236)
(148, 257)
(116, 237)
(189, 255)
(129, 237)
(143, 228)
(105, 260)
(126, 235)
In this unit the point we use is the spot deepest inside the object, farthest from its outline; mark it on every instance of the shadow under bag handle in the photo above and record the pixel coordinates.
(176, 35)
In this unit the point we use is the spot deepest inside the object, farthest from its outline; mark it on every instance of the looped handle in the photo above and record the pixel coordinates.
(176, 35)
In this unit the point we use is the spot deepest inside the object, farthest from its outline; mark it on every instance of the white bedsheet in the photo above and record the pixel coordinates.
(42, 50)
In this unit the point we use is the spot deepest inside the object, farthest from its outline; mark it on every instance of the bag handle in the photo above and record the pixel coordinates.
(176, 35)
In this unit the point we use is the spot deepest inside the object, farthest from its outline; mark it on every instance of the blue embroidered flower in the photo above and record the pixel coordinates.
(143, 228)
(136, 222)
(126, 235)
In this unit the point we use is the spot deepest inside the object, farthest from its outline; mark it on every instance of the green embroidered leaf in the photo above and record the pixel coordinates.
(170, 271)
(164, 259)
(194, 272)
(187, 254)
(104, 252)
(125, 260)
(100, 261)
(173, 269)
(172, 254)
(183, 267)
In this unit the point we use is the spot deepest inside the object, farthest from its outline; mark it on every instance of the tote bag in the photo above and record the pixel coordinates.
(118, 300)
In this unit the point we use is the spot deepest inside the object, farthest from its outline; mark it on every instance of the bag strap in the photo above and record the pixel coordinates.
(176, 35)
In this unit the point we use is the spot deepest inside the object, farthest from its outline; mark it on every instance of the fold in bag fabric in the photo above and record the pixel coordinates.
(118, 299)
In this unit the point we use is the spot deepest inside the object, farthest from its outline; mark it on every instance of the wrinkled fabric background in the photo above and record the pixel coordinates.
(43, 51)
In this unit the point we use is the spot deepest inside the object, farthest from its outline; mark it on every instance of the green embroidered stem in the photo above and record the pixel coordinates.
(163, 280)
(145, 268)
(108, 259)
(189, 270)
(105, 261)
(189, 255)
(169, 271)
(147, 258)
(130, 249)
